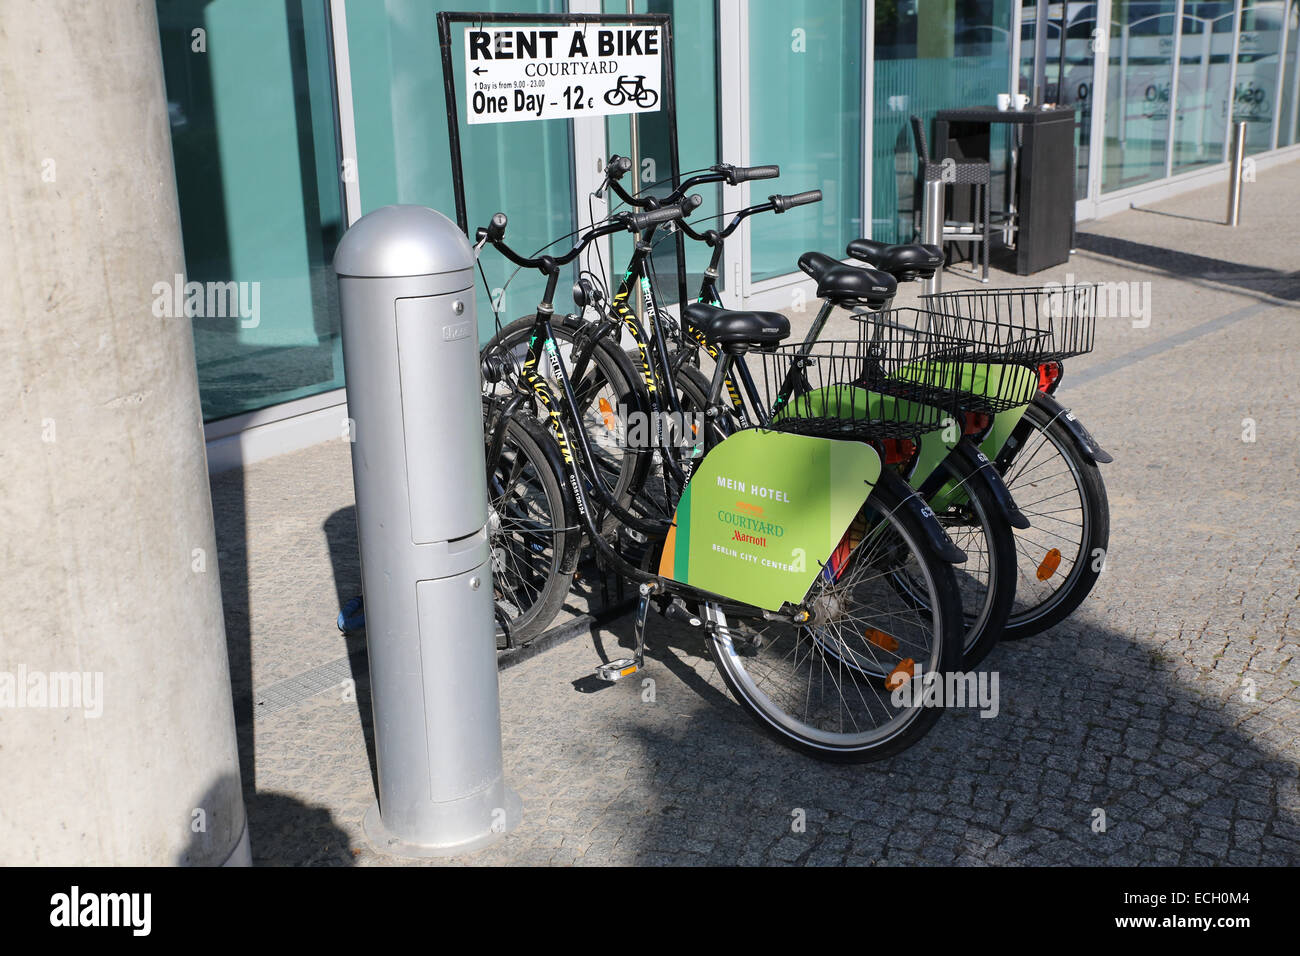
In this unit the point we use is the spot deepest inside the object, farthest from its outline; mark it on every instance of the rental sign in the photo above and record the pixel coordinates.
(537, 73)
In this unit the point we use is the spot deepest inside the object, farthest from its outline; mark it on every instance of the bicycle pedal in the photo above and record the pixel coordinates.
(615, 670)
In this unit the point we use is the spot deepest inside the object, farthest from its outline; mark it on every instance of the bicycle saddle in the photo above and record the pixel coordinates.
(728, 327)
(848, 285)
(903, 262)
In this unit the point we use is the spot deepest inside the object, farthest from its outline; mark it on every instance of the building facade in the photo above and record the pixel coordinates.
(291, 119)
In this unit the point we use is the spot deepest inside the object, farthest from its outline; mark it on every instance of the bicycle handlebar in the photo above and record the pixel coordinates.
(494, 233)
(776, 203)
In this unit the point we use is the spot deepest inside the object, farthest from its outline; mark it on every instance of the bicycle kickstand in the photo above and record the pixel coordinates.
(630, 665)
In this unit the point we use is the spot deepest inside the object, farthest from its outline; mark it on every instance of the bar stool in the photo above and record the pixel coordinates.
(958, 172)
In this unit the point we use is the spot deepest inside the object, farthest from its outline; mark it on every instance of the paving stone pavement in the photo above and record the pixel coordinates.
(1138, 706)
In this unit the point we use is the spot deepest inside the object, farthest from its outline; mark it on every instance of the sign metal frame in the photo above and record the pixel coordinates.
(669, 95)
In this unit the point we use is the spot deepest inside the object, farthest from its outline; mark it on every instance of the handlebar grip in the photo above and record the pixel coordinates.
(781, 203)
(618, 166)
(691, 203)
(741, 174)
(497, 227)
(643, 220)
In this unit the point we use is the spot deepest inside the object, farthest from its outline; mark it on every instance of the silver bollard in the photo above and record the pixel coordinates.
(410, 354)
(1235, 160)
(932, 213)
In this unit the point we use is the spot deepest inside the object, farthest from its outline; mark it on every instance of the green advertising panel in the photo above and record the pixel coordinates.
(763, 512)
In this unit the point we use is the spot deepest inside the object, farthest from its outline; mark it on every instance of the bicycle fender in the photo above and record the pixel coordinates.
(976, 461)
(1083, 440)
(936, 538)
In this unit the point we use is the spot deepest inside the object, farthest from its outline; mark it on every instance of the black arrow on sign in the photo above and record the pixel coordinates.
(478, 70)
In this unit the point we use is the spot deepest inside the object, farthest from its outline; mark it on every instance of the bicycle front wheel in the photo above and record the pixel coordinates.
(826, 687)
(533, 533)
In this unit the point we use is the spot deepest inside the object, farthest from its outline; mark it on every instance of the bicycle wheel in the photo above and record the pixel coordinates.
(821, 687)
(606, 393)
(657, 496)
(533, 532)
(1059, 557)
(986, 582)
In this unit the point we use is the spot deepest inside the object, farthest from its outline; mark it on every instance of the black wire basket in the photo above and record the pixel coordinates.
(1042, 324)
(990, 366)
(894, 381)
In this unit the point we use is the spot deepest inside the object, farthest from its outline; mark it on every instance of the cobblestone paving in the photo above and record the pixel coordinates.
(1139, 706)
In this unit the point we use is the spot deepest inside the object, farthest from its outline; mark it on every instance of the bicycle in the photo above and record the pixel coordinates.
(826, 618)
(1059, 559)
(944, 465)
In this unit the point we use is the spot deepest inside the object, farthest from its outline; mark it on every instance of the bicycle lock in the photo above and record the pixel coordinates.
(410, 355)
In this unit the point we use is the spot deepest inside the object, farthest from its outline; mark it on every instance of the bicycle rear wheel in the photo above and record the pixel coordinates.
(821, 687)
(1060, 556)
(986, 582)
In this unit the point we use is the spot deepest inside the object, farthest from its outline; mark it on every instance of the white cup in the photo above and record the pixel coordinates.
(1022, 100)
(1004, 101)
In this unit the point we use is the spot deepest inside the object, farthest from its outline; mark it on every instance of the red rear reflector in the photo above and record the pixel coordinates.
(898, 451)
(1048, 373)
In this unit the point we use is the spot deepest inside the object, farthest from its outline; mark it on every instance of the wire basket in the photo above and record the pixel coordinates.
(1056, 321)
(990, 366)
(874, 387)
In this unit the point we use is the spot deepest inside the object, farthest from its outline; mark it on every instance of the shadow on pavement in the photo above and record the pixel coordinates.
(1189, 266)
(1090, 720)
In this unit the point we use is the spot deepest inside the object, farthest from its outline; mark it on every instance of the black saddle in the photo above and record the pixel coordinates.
(848, 285)
(728, 327)
(903, 262)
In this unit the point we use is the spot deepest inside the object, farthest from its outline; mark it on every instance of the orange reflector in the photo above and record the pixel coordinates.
(881, 639)
(607, 413)
(901, 674)
(627, 670)
(1050, 564)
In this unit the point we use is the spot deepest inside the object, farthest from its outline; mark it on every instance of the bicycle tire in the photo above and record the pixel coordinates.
(624, 469)
(533, 548)
(995, 596)
(1030, 616)
(900, 732)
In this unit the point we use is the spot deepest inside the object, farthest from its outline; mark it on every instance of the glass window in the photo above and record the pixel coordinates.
(1254, 99)
(250, 100)
(928, 58)
(1140, 72)
(805, 114)
(1288, 128)
(1205, 65)
(521, 169)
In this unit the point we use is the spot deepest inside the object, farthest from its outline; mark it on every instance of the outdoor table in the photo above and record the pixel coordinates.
(1041, 177)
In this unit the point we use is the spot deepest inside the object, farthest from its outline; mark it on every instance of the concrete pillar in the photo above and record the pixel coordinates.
(117, 736)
